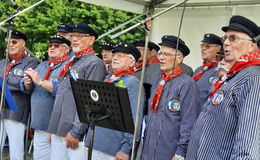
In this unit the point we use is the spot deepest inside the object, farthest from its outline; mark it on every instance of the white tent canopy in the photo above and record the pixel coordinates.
(201, 16)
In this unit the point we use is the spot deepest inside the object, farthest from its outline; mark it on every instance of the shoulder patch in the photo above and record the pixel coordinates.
(174, 105)
(18, 72)
(213, 80)
(218, 98)
(73, 73)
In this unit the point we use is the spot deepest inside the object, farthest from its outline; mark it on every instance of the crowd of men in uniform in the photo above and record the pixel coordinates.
(211, 114)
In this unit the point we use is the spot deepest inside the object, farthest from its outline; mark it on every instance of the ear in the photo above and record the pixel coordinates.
(23, 43)
(253, 47)
(92, 40)
(132, 64)
(179, 59)
(67, 50)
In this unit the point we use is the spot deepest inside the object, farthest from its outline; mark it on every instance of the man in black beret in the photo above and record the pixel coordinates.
(43, 83)
(107, 48)
(13, 123)
(110, 144)
(172, 105)
(206, 75)
(228, 126)
(67, 131)
(151, 53)
(65, 30)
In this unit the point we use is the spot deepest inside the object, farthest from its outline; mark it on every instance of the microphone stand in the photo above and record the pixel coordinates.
(5, 65)
(2, 103)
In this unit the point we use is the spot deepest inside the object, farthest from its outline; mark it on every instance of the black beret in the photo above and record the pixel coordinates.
(82, 28)
(108, 46)
(212, 39)
(17, 34)
(59, 39)
(171, 41)
(65, 28)
(151, 45)
(242, 24)
(127, 48)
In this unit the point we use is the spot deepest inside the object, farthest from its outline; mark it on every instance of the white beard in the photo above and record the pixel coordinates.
(76, 49)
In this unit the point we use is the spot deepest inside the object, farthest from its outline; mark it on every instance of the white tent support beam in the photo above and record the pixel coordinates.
(214, 3)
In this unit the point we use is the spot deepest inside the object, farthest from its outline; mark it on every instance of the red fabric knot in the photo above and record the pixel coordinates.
(114, 75)
(68, 64)
(205, 67)
(54, 62)
(159, 90)
(13, 61)
(249, 59)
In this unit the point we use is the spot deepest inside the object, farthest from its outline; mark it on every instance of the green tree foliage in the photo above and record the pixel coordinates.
(41, 22)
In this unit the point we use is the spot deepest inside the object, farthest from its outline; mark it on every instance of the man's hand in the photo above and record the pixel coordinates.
(27, 82)
(71, 142)
(121, 156)
(34, 76)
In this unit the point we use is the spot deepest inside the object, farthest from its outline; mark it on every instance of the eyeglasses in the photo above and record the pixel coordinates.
(233, 38)
(106, 52)
(120, 55)
(166, 54)
(14, 42)
(55, 45)
(207, 46)
(79, 36)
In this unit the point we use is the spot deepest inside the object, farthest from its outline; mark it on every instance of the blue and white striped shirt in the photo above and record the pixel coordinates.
(228, 127)
(168, 131)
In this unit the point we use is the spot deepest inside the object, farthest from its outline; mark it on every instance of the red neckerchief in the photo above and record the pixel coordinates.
(13, 61)
(250, 59)
(79, 54)
(159, 90)
(52, 63)
(114, 75)
(156, 60)
(205, 67)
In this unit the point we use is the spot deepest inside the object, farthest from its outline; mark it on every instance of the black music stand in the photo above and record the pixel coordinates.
(102, 104)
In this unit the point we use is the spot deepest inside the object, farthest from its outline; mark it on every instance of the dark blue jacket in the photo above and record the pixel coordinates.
(64, 118)
(41, 100)
(21, 99)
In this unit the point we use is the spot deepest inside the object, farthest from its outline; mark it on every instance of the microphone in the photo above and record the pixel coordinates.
(14, 4)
